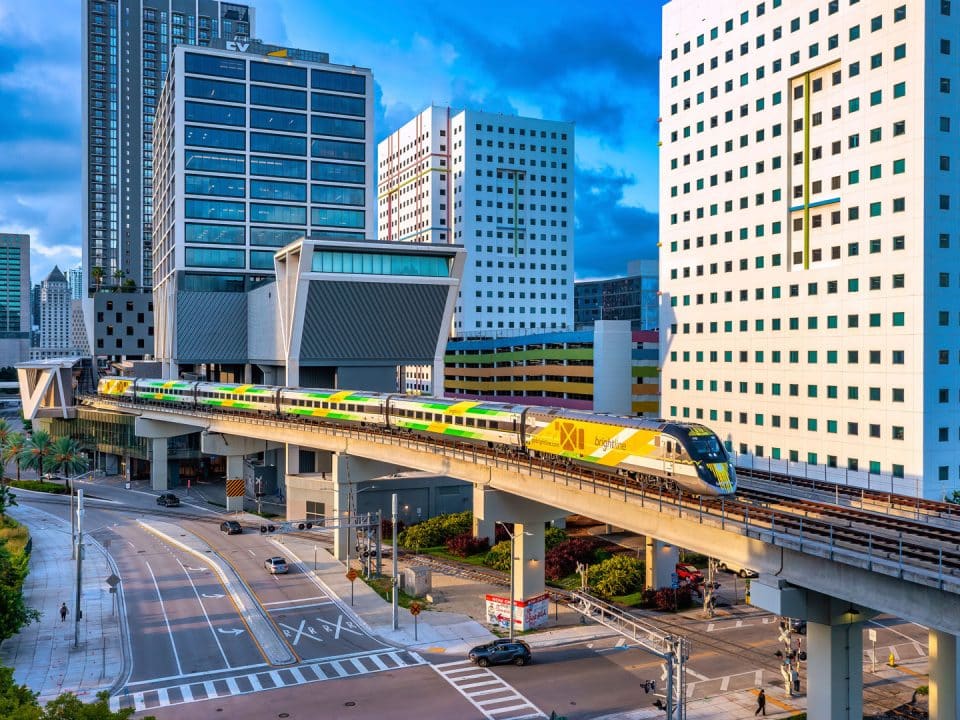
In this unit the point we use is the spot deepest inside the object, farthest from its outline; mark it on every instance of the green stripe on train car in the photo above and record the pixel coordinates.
(485, 411)
(460, 433)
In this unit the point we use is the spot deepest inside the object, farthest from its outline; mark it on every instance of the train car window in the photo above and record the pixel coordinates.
(458, 420)
(470, 422)
(669, 447)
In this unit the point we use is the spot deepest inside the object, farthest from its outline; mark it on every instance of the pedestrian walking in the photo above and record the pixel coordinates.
(63, 612)
(795, 677)
(761, 704)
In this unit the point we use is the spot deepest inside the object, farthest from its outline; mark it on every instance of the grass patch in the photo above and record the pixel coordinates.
(383, 586)
(39, 486)
(440, 551)
(630, 600)
(14, 535)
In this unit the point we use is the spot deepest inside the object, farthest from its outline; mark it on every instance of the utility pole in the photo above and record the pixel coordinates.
(396, 579)
(76, 608)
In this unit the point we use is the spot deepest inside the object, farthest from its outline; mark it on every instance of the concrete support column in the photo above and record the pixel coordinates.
(660, 563)
(529, 519)
(835, 671)
(248, 373)
(528, 564)
(346, 472)
(943, 676)
(292, 460)
(158, 464)
(234, 472)
(483, 524)
(341, 505)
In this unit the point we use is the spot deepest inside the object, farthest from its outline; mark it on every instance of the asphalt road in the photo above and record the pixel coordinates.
(192, 649)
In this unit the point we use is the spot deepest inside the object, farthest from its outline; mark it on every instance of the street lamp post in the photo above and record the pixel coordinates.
(513, 540)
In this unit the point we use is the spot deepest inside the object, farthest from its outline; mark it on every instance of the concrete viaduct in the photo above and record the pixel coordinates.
(835, 587)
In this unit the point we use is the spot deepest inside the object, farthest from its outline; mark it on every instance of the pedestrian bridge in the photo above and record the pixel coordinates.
(834, 570)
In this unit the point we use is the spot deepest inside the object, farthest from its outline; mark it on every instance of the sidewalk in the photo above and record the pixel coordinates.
(42, 654)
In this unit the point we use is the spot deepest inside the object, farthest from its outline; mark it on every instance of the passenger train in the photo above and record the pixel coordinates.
(688, 454)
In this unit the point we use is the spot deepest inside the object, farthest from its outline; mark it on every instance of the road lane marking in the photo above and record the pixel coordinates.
(293, 600)
(206, 616)
(166, 620)
(896, 632)
(210, 689)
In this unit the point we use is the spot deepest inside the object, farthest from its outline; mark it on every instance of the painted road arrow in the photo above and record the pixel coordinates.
(214, 596)
(231, 631)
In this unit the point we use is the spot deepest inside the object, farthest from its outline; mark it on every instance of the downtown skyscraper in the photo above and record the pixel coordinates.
(127, 46)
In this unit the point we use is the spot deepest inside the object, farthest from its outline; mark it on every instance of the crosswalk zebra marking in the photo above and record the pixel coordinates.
(255, 682)
(488, 693)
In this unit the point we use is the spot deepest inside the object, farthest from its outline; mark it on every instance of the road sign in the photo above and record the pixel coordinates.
(872, 634)
(352, 575)
(415, 608)
(674, 581)
(113, 580)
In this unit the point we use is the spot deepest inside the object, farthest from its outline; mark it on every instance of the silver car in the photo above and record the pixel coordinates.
(276, 565)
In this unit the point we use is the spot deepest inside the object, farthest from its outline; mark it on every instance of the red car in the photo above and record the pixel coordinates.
(688, 573)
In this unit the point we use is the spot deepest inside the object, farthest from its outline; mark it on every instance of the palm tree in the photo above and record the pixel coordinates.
(36, 450)
(13, 450)
(117, 277)
(5, 432)
(67, 458)
(97, 274)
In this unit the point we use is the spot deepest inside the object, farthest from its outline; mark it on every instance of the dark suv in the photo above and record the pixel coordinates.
(501, 651)
(168, 500)
(231, 527)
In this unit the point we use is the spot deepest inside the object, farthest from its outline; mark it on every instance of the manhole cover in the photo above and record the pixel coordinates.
(349, 703)
(283, 715)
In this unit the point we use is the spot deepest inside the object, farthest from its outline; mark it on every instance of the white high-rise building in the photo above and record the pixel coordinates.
(501, 186)
(808, 260)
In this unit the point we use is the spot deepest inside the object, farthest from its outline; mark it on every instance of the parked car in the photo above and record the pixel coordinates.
(501, 651)
(276, 565)
(168, 500)
(231, 527)
(689, 573)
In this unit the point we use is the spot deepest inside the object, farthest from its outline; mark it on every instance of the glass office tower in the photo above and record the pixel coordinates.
(254, 149)
(127, 45)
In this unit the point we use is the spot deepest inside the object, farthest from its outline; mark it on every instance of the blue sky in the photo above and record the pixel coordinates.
(592, 63)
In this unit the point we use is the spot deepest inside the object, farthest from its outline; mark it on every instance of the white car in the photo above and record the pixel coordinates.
(276, 565)
(737, 569)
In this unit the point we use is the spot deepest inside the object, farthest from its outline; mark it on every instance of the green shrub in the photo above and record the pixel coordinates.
(437, 530)
(553, 537)
(39, 486)
(619, 575)
(499, 557)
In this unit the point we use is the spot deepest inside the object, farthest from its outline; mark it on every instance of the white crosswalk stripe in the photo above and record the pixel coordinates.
(265, 680)
(493, 697)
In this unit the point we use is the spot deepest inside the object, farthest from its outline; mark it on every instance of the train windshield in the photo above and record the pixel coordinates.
(706, 448)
